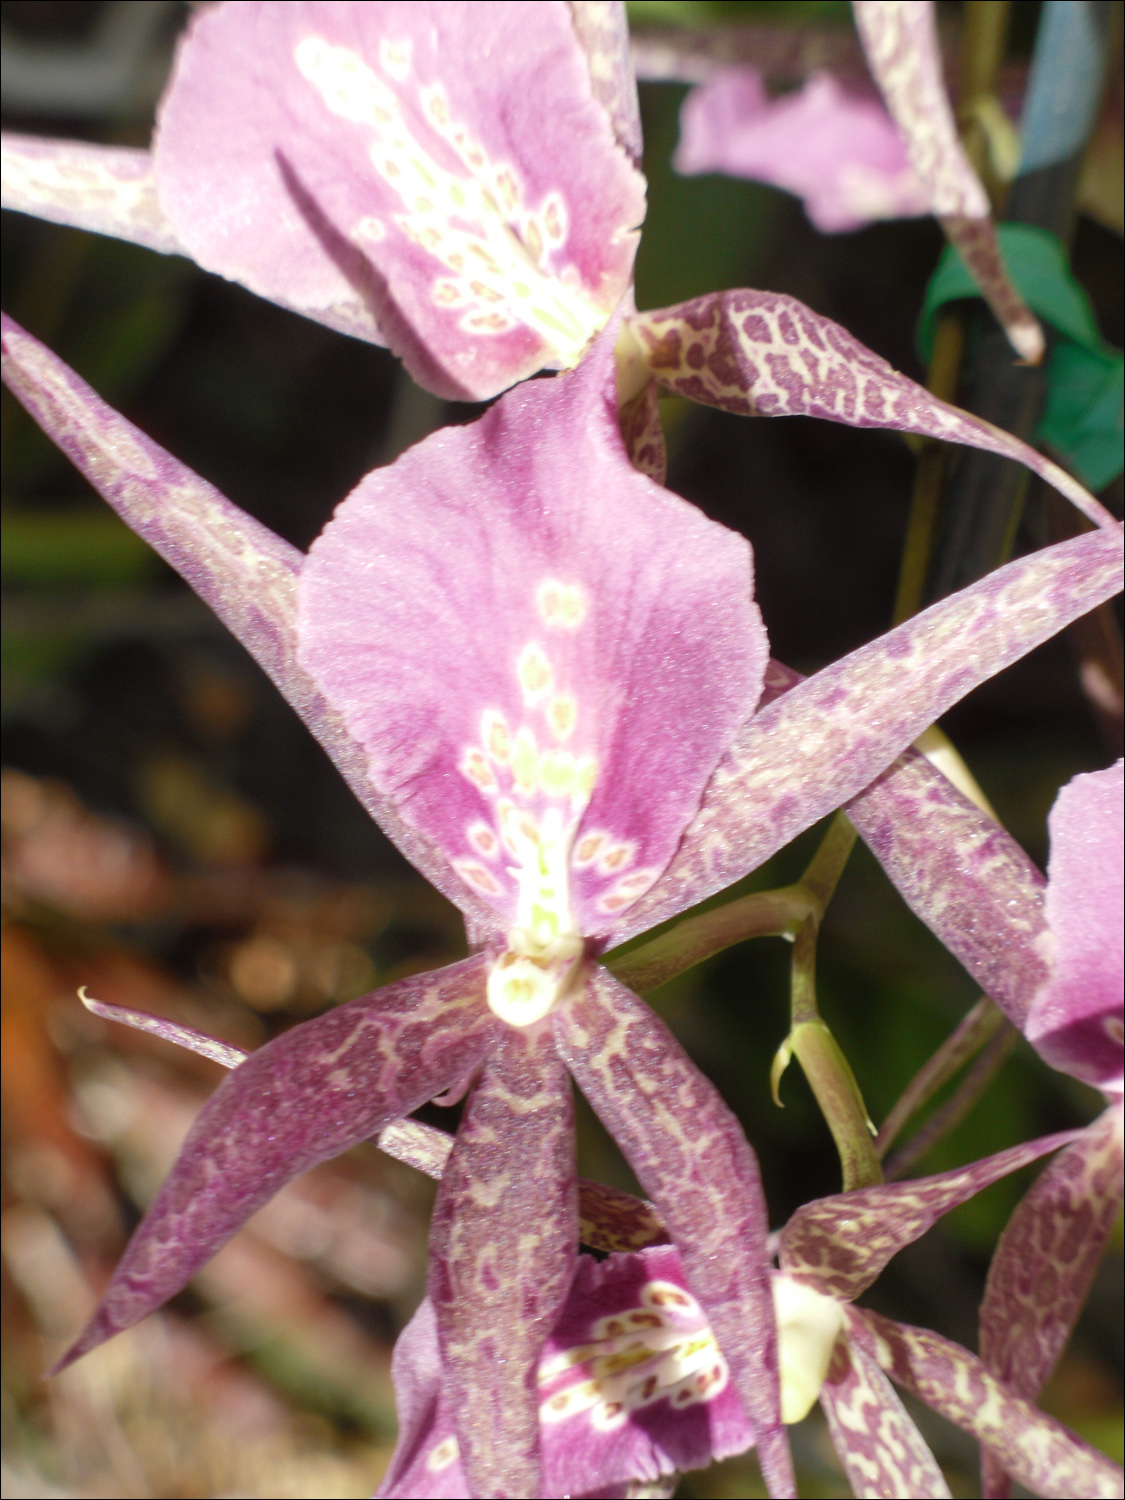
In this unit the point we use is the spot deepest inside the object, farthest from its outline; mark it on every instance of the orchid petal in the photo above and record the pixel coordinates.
(242, 570)
(690, 1155)
(426, 1464)
(442, 172)
(962, 874)
(819, 744)
(1038, 1451)
(643, 434)
(900, 39)
(224, 1053)
(838, 151)
(510, 651)
(304, 1097)
(840, 1244)
(1046, 1258)
(105, 189)
(602, 29)
(503, 1243)
(1076, 1020)
(884, 1455)
(765, 354)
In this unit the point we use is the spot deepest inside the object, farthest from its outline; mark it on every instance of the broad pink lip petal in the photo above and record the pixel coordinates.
(308, 1095)
(821, 743)
(900, 39)
(838, 151)
(236, 565)
(1076, 1020)
(439, 171)
(503, 1242)
(106, 189)
(527, 543)
(882, 1451)
(1043, 1265)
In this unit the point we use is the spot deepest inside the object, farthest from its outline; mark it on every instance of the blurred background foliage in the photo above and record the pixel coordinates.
(174, 840)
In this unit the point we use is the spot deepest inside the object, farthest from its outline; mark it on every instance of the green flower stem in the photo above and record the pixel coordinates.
(974, 1032)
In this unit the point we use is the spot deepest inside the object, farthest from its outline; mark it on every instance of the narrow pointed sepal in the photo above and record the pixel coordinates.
(304, 1097)
(602, 29)
(503, 1243)
(1037, 1450)
(765, 354)
(690, 1155)
(1045, 1260)
(107, 189)
(884, 1455)
(822, 742)
(840, 1244)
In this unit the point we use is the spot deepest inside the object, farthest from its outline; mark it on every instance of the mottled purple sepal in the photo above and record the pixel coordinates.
(107, 189)
(884, 1455)
(1038, 1451)
(1076, 1019)
(602, 29)
(836, 150)
(1045, 1260)
(765, 354)
(306, 1096)
(691, 1157)
(822, 742)
(503, 1243)
(440, 176)
(508, 619)
(840, 1244)
(900, 39)
(224, 1053)
(244, 572)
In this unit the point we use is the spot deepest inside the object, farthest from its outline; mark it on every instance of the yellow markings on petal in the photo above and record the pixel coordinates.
(483, 839)
(627, 890)
(617, 857)
(442, 1455)
(585, 778)
(561, 714)
(395, 58)
(536, 678)
(556, 773)
(475, 875)
(562, 606)
(474, 765)
(496, 736)
(588, 847)
(525, 762)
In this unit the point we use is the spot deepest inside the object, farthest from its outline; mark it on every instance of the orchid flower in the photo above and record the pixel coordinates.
(1050, 955)
(491, 640)
(459, 181)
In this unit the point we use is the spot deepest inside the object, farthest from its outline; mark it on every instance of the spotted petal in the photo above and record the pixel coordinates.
(840, 1244)
(900, 39)
(304, 1097)
(1076, 1020)
(602, 29)
(508, 619)
(502, 1256)
(765, 354)
(821, 743)
(883, 1453)
(691, 1157)
(440, 171)
(1043, 1265)
(1038, 1451)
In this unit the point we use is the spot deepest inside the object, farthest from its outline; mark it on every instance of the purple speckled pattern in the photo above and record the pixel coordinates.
(1035, 1449)
(691, 1157)
(439, 175)
(900, 39)
(1043, 1265)
(838, 151)
(962, 874)
(465, 596)
(764, 354)
(302, 1098)
(503, 1242)
(822, 742)
(602, 29)
(884, 1455)
(840, 1244)
(106, 189)
(1076, 1019)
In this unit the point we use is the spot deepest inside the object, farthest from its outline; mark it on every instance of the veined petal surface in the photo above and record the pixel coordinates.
(106, 189)
(509, 619)
(503, 1243)
(441, 172)
(1076, 1020)
(302, 1098)
(822, 742)
(691, 1157)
